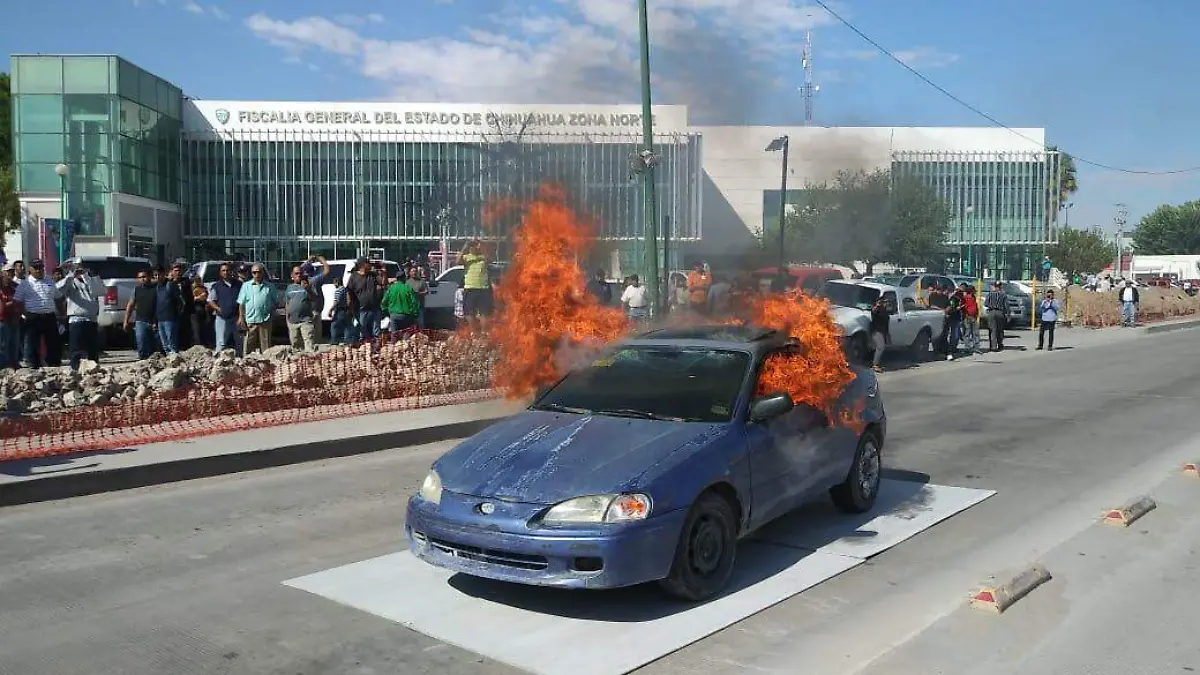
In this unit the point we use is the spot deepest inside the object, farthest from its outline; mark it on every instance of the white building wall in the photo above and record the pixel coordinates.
(738, 169)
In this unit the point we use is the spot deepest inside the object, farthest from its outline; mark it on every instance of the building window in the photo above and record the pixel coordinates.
(39, 75)
(39, 114)
(87, 75)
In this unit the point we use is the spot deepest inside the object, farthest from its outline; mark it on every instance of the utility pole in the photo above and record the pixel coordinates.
(648, 161)
(808, 90)
(1120, 219)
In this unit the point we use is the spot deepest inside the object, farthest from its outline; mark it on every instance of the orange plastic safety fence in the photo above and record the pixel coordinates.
(196, 396)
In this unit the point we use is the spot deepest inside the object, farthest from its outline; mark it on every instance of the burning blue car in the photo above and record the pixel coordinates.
(646, 465)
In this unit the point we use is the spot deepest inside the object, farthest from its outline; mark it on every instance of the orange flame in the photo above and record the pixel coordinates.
(817, 373)
(543, 310)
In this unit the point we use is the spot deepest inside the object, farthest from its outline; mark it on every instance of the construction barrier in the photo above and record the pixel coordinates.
(195, 394)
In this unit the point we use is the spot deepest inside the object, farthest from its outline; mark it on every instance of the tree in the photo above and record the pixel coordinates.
(10, 207)
(870, 218)
(1081, 252)
(1064, 164)
(1170, 230)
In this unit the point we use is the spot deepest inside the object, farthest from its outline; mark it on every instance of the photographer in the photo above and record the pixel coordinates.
(82, 291)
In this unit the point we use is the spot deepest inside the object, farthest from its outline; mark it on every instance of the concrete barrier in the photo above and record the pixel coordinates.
(997, 595)
(1125, 515)
(1170, 325)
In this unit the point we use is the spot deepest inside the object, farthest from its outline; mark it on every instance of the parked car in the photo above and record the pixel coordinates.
(439, 304)
(599, 484)
(344, 268)
(913, 325)
(806, 279)
(119, 274)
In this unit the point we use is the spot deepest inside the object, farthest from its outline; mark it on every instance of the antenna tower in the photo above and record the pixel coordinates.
(808, 90)
(1120, 220)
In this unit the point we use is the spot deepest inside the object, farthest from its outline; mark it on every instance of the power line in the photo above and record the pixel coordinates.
(921, 76)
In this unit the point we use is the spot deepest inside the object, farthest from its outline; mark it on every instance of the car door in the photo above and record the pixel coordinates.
(441, 293)
(788, 462)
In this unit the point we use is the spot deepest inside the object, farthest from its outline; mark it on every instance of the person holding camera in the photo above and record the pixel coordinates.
(82, 292)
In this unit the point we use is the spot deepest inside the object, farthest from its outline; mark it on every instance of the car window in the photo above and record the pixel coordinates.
(338, 270)
(908, 280)
(889, 298)
(647, 380)
(114, 269)
(851, 295)
(811, 284)
(453, 276)
(910, 305)
(929, 281)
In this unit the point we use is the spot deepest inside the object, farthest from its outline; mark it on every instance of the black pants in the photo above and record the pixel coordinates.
(995, 330)
(1047, 330)
(83, 338)
(41, 328)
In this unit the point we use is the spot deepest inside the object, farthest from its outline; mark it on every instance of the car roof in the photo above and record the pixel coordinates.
(732, 337)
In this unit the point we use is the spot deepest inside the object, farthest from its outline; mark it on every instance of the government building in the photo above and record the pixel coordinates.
(136, 167)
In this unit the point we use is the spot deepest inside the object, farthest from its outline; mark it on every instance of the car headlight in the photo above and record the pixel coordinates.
(431, 488)
(600, 509)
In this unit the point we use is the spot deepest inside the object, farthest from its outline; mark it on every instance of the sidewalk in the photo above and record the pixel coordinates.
(72, 475)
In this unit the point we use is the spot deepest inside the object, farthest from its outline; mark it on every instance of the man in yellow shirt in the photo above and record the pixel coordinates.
(698, 282)
(477, 289)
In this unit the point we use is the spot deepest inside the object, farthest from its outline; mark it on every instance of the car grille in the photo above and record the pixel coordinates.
(485, 555)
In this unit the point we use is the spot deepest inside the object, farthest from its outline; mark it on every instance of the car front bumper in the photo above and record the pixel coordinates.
(604, 557)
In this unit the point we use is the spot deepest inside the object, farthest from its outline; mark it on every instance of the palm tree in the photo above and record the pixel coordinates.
(1067, 184)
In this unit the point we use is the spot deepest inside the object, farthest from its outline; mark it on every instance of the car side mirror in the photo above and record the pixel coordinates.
(770, 406)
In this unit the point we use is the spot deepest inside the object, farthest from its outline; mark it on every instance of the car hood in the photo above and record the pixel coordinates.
(845, 316)
(545, 457)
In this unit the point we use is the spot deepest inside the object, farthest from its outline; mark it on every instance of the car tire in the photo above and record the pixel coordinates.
(706, 552)
(857, 494)
(920, 346)
(859, 350)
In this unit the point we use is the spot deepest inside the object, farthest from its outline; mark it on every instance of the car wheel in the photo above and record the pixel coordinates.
(706, 551)
(920, 346)
(858, 492)
(859, 351)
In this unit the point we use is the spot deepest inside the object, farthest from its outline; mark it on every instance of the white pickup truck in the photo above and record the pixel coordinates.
(913, 325)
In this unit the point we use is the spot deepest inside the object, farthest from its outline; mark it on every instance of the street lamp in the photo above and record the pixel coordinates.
(777, 145)
(61, 170)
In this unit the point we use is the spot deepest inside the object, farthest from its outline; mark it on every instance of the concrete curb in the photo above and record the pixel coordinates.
(1167, 327)
(1126, 515)
(995, 597)
(67, 485)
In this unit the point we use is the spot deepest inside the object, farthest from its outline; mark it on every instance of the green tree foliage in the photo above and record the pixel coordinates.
(868, 217)
(10, 207)
(1064, 164)
(1081, 252)
(1170, 230)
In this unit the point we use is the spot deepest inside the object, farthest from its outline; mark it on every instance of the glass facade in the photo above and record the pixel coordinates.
(281, 196)
(1001, 205)
(113, 125)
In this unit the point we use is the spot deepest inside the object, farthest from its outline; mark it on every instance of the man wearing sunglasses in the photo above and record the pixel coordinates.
(256, 307)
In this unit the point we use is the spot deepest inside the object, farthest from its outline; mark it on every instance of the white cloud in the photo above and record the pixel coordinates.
(310, 32)
(586, 51)
(926, 57)
(198, 9)
(219, 13)
(856, 54)
(359, 19)
(193, 8)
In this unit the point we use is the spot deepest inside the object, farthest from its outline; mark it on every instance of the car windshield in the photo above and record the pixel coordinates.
(850, 295)
(691, 384)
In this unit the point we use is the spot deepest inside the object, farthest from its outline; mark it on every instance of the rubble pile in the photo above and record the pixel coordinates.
(1104, 309)
(408, 367)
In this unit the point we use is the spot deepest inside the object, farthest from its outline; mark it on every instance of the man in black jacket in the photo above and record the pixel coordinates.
(881, 331)
(996, 304)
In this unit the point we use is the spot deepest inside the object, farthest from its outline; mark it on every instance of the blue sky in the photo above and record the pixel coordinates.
(1108, 79)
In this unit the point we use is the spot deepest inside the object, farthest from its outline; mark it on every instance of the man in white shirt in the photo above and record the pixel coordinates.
(1129, 304)
(634, 298)
(37, 296)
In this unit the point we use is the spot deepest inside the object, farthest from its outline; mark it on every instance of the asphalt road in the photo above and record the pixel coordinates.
(185, 578)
